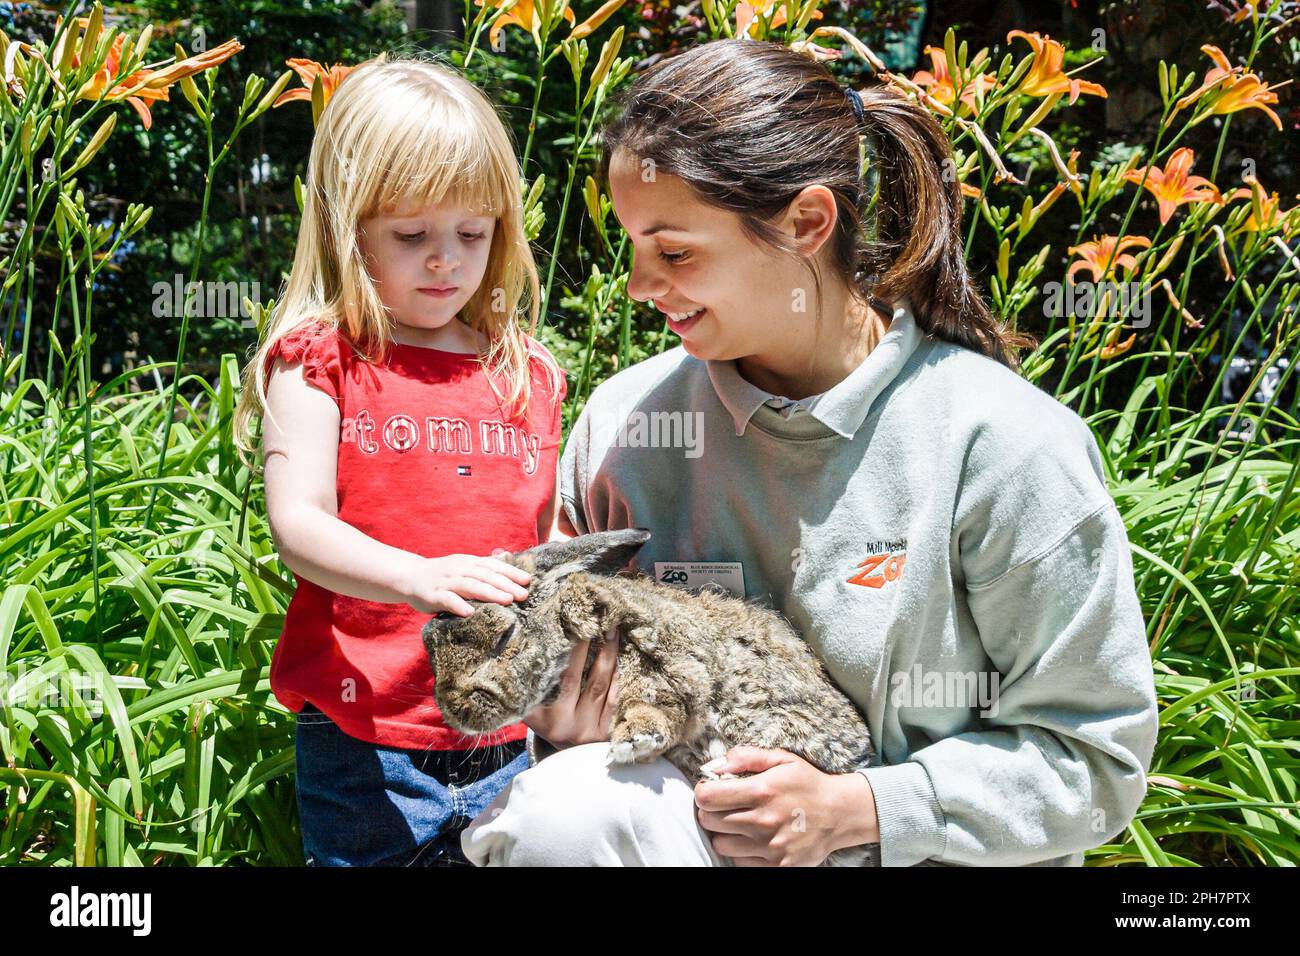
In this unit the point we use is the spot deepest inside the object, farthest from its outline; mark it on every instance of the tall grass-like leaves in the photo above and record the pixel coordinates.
(141, 598)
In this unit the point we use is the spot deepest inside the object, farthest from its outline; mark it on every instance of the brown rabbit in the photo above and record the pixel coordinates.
(698, 673)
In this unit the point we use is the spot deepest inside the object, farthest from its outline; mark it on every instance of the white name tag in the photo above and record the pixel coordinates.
(689, 575)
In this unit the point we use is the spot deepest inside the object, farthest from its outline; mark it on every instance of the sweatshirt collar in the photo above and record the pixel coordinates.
(844, 407)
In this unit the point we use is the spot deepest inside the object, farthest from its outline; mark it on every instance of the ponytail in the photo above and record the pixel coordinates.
(916, 252)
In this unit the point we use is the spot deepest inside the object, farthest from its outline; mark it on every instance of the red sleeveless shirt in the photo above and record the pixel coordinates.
(427, 462)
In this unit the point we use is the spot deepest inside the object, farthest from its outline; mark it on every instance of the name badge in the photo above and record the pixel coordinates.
(690, 575)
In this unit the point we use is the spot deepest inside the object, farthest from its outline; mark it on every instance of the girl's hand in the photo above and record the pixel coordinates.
(581, 714)
(788, 813)
(443, 584)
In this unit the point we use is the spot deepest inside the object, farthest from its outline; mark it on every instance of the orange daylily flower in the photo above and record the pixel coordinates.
(330, 77)
(169, 75)
(1094, 256)
(143, 86)
(747, 13)
(523, 15)
(1111, 346)
(1231, 89)
(593, 22)
(1072, 167)
(1247, 93)
(1265, 211)
(1250, 8)
(1045, 76)
(1213, 77)
(972, 191)
(1172, 186)
(107, 78)
(944, 90)
(1044, 204)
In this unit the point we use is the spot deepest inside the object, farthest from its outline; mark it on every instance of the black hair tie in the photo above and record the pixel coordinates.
(856, 102)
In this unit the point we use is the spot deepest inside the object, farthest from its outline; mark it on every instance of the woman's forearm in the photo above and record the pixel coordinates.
(857, 807)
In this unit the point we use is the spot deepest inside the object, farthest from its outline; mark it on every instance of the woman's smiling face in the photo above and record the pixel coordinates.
(688, 255)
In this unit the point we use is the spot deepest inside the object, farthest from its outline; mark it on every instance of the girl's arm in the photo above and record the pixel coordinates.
(300, 449)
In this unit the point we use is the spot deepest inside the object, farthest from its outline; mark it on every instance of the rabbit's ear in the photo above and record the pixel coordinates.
(605, 552)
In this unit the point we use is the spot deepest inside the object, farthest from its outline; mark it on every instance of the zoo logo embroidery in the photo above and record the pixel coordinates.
(880, 569)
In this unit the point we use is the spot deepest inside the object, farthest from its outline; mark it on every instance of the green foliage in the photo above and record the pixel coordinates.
(252, 219)
(137, 660)
(135, 554)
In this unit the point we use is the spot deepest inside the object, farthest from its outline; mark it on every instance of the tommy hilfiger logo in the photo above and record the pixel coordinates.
(882, 565)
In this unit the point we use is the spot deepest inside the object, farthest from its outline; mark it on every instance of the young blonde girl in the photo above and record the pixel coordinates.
(411, 429)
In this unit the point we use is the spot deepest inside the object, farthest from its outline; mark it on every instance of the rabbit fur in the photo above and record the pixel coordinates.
(698, 672)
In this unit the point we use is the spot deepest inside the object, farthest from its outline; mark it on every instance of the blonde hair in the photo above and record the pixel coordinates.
(399, 131)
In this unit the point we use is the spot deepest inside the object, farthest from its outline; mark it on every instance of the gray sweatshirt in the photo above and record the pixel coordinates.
(939, 531)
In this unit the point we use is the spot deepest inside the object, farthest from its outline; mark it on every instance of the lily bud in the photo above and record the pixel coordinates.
(96, 142)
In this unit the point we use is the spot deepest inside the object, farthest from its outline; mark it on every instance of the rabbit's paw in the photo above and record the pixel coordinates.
(717, 751)
(641, 734)
(637, 747)
(712, 775)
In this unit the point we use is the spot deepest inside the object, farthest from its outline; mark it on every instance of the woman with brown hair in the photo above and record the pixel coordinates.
(937, 528)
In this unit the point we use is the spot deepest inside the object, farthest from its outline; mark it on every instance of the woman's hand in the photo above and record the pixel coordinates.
(581, 714)
(442, 584)
(788, 813)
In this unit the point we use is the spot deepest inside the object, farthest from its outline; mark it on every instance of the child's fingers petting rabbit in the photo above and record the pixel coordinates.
(447, 584)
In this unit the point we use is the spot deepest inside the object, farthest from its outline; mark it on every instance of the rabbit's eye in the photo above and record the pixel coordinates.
(504, 639)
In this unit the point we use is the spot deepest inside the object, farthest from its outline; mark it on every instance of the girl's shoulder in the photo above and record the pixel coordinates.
(1026, 460)
(321, 347)
(671, 373)
(552, 374)
(539, 352)
(311, 335)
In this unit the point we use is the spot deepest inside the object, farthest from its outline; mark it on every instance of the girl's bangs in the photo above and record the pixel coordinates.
(428, 167)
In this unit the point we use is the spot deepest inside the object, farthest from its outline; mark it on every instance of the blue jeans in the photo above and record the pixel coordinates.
(363, 804)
